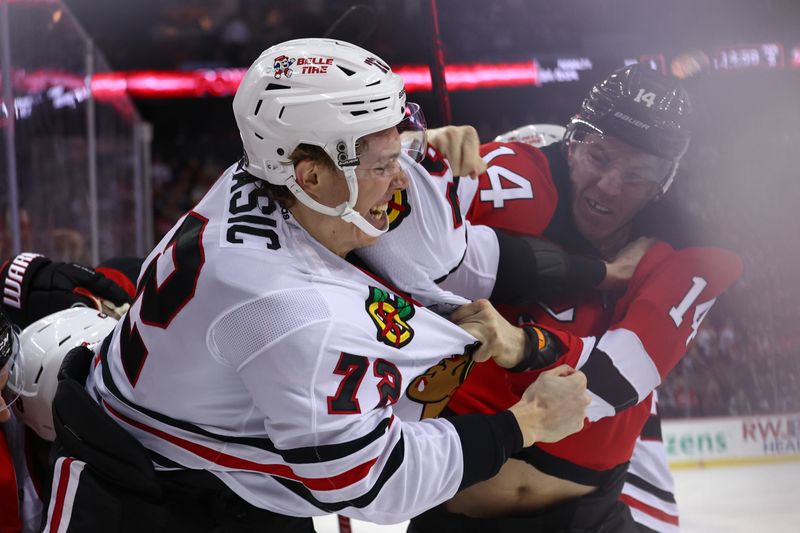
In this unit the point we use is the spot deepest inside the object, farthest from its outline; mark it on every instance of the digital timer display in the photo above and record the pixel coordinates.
(760, 56)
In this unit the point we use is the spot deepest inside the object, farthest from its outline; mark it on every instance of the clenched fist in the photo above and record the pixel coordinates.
(461, 146)
(553, 406)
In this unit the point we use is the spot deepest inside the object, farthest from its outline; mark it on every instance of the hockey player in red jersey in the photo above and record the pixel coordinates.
(649, 485)
(619, 155)
(259, 378)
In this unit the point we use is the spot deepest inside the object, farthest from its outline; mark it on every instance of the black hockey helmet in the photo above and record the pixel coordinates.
(9, 359)
(9, 345)
(642, 107)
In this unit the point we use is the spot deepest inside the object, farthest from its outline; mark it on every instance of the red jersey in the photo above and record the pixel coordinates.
(625, 343)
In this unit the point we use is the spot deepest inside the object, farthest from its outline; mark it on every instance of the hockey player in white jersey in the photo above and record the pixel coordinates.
(267, 379)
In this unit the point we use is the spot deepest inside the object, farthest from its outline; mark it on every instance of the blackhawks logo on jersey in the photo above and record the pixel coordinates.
(398, 209)
(390, 314)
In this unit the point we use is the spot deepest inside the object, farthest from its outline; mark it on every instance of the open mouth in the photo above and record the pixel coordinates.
(597, 207)
(377, 215)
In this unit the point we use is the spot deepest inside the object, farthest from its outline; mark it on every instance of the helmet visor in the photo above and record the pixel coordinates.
(12, 378)
(412, 132)
(600, 153)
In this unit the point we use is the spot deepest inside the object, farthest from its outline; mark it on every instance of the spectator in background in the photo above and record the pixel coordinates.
(235, 35)
(727, 337)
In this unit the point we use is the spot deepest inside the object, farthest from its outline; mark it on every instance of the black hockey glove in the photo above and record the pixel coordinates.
(34, 287)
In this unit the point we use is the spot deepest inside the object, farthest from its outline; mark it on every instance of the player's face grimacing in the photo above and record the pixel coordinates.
(379, 175)
(612, 181)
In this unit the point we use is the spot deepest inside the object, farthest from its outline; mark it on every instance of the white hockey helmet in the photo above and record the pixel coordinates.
(43, 346)
(325, 93)
(537, 135)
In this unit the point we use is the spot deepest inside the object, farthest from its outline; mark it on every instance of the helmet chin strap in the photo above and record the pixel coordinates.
(351, 215)
(354, 217)
(344, 210)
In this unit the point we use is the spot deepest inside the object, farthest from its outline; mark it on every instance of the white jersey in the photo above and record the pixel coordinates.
(649, 488)
(255, 353)
(431, 246)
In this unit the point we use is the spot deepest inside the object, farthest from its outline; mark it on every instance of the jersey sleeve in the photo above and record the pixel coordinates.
(515, 194)
(654, 322)
(476, 276)
(337, 445)
(427, 237)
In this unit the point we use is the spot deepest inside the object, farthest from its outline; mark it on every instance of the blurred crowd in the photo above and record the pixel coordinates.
(734, 368)
(738, 189)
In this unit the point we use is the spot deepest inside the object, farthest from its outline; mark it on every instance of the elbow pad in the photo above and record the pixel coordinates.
(532, 269)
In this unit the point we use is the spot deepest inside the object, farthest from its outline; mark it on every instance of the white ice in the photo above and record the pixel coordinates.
(732, 499)
(738, 499)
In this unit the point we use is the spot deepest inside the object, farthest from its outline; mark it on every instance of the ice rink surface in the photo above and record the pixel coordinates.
(739, 498)
(731, 499)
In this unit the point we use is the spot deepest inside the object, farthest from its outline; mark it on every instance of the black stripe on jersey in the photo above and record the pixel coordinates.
(641, 528)
(558, 467)
(305, 455)
(463, 256)
(605, 380)
(162, 461)
(394, 461)
(648, 487)
(652, 429)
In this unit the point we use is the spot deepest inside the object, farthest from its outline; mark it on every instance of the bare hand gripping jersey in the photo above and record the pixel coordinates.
(639, 336)
(255, 353)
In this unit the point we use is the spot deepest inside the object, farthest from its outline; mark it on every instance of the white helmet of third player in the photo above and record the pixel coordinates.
(43, 346)
(325, 93)
(537, 135)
